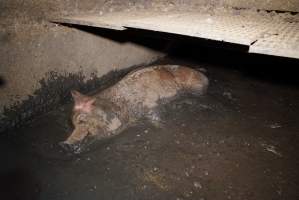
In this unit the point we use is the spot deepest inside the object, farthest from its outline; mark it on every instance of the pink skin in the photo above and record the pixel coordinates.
(82, 103)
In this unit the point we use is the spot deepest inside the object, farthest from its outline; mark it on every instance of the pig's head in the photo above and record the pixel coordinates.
(84, 119)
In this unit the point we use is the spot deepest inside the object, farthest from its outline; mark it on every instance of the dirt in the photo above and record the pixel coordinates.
(239, 141)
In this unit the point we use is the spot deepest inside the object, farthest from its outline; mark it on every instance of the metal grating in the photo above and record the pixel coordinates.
(264, 34)
(113, 21)
(234, 29)
(282, 39)
(96, 21)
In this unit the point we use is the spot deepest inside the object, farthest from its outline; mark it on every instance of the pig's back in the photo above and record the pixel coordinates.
(145, 87)
(189, 80)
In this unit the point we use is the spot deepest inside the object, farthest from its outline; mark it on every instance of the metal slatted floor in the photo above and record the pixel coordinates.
(264, 34)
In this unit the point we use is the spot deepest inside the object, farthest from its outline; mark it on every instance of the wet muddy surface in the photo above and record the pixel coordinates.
(239, 141)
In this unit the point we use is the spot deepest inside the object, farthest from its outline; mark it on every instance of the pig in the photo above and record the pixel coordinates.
(136, 96)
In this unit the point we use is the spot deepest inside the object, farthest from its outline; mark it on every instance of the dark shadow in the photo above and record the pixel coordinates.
(2, 82)
(17, 184)
(263, 67)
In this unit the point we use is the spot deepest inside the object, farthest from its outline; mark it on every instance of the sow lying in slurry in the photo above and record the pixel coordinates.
(134, 97)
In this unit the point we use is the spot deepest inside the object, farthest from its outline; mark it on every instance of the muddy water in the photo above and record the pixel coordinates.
(240, 141)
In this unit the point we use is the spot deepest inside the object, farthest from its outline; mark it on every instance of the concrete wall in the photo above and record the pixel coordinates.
(41, 62)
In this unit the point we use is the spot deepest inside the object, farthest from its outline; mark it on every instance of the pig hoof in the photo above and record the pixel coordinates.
(64, 145)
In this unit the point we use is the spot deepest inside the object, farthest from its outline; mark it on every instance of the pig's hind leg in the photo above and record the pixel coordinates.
(154, 116)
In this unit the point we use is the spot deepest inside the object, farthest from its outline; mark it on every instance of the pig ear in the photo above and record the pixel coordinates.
(82, 102)
(86, 105)
(77, 96)
(90, 101)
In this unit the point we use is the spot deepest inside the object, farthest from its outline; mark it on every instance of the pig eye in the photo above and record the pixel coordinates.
(82, 118)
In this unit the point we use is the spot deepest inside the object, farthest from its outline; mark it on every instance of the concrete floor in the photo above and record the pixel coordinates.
(240, 141)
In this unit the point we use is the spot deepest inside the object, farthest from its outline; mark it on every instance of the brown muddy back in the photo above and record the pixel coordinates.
(149, 85)
(189, 79)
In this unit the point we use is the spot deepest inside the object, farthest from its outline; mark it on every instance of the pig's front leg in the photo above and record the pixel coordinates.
(73, 141)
